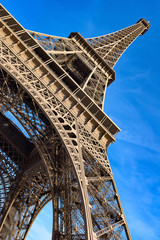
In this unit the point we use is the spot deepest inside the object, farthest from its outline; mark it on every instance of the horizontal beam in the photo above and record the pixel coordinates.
(109, 228)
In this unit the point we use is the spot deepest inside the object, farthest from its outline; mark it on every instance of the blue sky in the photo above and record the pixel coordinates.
(132, 101)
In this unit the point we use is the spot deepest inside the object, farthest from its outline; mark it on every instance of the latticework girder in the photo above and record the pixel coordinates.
(55, 89)
(93, 55)
(111, 46)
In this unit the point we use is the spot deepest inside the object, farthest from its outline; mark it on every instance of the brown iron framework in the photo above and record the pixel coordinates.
(55, 88)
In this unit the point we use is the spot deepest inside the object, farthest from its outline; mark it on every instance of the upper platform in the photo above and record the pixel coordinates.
(146, 25)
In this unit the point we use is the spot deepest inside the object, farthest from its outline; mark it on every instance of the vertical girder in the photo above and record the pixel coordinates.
(55, 88)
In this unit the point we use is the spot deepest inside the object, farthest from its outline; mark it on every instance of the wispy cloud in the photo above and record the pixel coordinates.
(144, 138)
(142, 229)
(139, 75)
(137, 116)
(140, 203)
(90, 27)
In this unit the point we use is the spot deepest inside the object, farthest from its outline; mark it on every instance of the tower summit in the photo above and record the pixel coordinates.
(55, 89)
(88, 56)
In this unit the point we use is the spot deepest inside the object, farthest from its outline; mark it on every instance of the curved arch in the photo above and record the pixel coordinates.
(92, 190)
(36, 215)
(65, 125)
(24, 125)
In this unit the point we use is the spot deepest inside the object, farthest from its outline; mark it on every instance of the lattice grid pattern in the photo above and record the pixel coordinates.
(55, 88)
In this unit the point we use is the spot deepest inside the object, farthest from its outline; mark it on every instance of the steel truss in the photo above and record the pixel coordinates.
(55, 88)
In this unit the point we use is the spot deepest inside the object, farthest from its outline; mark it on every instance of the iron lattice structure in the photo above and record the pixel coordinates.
(54, 87)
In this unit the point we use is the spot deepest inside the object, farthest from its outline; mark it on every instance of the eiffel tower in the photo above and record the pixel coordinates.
(54, 133)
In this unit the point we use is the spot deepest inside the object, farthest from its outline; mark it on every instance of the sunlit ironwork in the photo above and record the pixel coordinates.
(54, 87)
